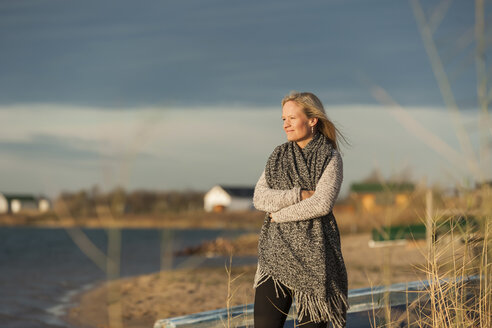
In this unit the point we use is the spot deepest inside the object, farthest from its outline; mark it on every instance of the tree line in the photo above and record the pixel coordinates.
(85, 203)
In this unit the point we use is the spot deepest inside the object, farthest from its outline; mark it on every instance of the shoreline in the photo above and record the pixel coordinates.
(70, 299)
(348, 222)
(201, 220)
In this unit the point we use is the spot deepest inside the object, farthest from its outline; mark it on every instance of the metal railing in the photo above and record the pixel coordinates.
(361, 301)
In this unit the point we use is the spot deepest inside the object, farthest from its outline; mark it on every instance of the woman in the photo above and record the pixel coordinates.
(299, 253)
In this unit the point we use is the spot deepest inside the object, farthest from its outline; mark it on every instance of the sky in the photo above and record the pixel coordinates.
(186, 94)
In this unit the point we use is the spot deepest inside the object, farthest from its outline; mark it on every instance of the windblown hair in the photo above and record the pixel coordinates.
(313, 107)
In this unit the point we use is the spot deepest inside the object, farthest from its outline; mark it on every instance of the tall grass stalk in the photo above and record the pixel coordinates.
(231, 320)
(451, 299)
(453, 303)
(461, 251)
(457, 251)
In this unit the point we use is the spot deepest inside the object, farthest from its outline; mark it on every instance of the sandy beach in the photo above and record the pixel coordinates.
(140, 301)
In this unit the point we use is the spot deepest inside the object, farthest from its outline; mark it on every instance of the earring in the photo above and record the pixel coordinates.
(312, 130)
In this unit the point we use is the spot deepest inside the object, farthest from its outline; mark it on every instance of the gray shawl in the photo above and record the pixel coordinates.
(304, 255)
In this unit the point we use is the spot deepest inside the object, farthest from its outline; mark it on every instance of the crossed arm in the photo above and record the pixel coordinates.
(273, 200)
(289, 205)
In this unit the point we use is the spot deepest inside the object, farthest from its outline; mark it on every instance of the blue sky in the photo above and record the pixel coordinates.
(185, 94)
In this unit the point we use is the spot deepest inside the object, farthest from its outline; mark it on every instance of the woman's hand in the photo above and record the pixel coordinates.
(305, 194)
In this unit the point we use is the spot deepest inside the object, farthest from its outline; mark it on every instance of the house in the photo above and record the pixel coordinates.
(374, 195)
(15, 203)
(222, 197)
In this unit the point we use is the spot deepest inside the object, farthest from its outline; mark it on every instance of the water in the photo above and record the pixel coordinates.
(41, 269)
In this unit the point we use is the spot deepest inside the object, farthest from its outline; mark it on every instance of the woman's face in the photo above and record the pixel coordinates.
(297, 125)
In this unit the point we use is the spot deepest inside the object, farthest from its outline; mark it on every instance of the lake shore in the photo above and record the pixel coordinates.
(347, 221)
(200, 219)
(140, 301)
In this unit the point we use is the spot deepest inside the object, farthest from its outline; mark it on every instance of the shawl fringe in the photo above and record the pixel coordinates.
(334, 310)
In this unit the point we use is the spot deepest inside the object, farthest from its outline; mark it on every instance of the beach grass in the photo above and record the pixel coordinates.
(451, 300)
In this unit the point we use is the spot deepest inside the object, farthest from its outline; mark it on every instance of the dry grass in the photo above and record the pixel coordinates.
(450, 299)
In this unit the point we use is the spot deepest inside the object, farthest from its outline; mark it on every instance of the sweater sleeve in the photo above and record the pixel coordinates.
(271, 200)
(322, 201)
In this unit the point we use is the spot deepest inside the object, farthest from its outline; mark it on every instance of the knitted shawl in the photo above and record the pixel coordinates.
(304, 255)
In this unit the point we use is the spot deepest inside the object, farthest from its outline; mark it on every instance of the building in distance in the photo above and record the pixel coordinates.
(23, 203)
(237, 198)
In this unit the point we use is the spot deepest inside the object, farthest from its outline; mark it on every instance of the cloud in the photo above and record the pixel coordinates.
(197, 147)
(42, 147)
(191, 53)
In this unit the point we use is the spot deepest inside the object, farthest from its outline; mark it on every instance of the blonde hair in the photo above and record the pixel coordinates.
(313, 108)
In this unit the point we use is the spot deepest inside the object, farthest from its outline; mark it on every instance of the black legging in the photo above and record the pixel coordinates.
(268, 315)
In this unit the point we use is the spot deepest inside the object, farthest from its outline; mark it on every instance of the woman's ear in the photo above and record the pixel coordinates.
(314, 121)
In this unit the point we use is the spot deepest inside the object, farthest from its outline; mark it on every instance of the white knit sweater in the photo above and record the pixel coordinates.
(286, 205)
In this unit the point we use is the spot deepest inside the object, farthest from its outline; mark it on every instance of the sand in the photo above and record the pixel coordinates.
(140, 301)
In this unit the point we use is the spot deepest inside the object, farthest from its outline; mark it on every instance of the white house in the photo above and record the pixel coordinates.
(221, 197)
(15, 203)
